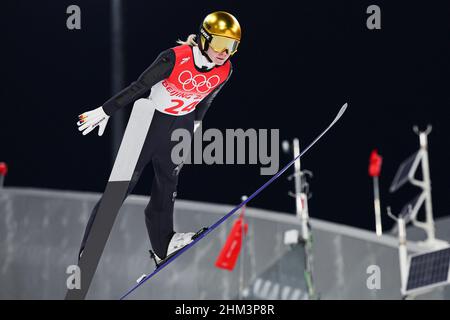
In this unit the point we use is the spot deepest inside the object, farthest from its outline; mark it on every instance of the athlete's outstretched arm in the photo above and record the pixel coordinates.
(160, 69)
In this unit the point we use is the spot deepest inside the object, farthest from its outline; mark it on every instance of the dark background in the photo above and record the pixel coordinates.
(297, 64)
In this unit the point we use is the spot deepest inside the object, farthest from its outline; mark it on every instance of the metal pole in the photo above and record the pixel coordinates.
(300, 198)
(403, 252)
(376, 193)
(242, 254)
(117, 72)
(297, 178)
(402, 248)
(427, 186)
(301, 201)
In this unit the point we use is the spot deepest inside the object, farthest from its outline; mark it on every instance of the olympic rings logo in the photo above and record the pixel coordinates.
(198, 82)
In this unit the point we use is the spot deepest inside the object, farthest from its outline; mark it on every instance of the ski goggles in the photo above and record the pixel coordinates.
(219, 43)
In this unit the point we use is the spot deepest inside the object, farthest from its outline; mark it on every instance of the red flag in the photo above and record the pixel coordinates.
(375, 164)
(230, 252)
(3, 169)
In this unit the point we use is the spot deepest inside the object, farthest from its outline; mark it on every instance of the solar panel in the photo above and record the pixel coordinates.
(401, 177)
(428, 269)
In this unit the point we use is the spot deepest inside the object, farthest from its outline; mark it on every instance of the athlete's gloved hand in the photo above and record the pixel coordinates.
(91, 119)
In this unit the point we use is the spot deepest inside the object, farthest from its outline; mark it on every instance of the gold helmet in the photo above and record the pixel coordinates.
(221, 31)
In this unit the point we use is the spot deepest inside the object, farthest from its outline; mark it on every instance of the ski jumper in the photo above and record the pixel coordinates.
(182, 87)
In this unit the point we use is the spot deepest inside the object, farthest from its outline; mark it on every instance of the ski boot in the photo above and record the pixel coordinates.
(178, 242)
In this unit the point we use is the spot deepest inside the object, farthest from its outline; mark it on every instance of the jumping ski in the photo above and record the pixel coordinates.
(205, 231)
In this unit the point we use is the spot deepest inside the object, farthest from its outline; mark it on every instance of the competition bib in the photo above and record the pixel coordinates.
(186, 86)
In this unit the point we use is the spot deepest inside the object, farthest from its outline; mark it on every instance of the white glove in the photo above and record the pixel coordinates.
(91, 119)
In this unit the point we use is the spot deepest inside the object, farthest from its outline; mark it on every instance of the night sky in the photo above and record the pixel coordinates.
(294, 68)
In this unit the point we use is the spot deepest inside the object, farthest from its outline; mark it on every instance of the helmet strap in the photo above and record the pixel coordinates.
(206, 54)
(207, 37)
